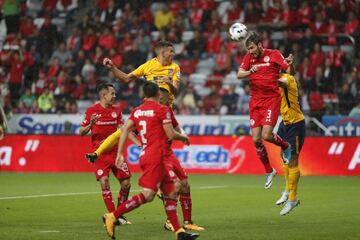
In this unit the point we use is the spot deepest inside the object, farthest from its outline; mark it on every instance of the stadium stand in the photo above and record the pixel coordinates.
(52, 50)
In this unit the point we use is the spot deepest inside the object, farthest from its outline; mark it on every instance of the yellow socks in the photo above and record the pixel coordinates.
(286, 175)
(109, 142)
(294, 176)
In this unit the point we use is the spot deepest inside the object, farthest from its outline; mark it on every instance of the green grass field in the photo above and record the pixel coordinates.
(230, 207)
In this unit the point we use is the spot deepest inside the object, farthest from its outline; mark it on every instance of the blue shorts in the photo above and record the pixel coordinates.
(293, 134)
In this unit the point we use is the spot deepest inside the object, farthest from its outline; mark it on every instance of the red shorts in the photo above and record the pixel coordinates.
(105, 162)
(173, 168)
(153, 172)
(264, 111)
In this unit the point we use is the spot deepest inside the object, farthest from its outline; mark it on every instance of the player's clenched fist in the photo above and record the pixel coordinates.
(253, 69)
(108, 63)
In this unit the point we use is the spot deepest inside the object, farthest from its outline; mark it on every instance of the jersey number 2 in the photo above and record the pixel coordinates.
(143, 132)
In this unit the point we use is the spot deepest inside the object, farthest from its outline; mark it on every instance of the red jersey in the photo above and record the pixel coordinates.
(110, 118)
(264, 82)
(149, 118)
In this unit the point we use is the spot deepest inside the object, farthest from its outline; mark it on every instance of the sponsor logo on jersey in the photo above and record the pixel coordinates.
(105, 123)
(147, 113)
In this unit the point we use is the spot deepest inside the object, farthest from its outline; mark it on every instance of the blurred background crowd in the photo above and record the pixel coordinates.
(52, 51)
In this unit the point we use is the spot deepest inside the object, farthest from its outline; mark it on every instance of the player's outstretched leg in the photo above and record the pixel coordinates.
(108, 143)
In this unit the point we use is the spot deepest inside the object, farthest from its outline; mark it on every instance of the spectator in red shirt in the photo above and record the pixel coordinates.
(352, 24)
(332, 29)
(89, 40)
(319, 26)
(214, 42)
(107, 39)
(316, 57)
(223, 61)
(16, 73)
(27, 27)
(304, 13)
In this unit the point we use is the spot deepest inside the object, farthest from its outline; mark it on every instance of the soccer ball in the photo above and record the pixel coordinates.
(238, 31)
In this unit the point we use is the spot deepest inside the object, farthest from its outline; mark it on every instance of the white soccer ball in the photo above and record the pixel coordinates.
(238, 31)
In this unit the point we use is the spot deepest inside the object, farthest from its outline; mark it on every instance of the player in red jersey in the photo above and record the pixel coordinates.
(175, 171)
(262, 66)
(153, 122)
(102, 119)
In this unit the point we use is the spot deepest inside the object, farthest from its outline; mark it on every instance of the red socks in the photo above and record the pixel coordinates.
(278, 141)
(123, 196)
(186, 205)
(127, 206)
(170, 209)
(108, 200)
(262, 154)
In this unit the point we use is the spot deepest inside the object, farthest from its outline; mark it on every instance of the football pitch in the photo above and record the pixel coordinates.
(69, 206)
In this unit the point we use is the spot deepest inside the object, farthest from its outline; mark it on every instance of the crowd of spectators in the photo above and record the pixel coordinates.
(52, 50)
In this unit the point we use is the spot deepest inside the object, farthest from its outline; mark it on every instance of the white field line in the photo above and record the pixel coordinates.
(90, 193)
(49, 231)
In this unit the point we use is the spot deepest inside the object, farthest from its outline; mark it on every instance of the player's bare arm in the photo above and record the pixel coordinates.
(126, 129)
(173, 135)
(290, 60)
(85, 130)
(1, 133)
(243, 73)
(123, 77)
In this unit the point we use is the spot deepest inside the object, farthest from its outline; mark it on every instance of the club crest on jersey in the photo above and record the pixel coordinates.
(171, 72)
(266, 59)
(252, 122)
(100, 172)
(113, 114)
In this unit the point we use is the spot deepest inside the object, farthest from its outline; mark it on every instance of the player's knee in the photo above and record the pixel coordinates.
(125, 185)
(104, 182)
(267, 136)
(177, 185)
(294, 162)
(149, 195)
(185, 186)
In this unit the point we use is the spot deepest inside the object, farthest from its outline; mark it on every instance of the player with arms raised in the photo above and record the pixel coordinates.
(160, 69)
(102, 119)
(154, 124)
(262, 66)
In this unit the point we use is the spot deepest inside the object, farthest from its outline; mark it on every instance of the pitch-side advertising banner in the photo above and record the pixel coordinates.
(342, 125)
(206, 154)
(70, 124)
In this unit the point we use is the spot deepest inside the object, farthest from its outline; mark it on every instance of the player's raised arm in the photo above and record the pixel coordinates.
(123, 77)
(290, 60)
(87, 124)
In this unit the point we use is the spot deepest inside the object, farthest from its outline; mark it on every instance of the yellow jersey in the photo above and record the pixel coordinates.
(152, 70)
(290, 107)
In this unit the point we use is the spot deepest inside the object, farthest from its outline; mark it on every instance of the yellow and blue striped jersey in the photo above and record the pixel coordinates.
(152, 70)
(290, 107)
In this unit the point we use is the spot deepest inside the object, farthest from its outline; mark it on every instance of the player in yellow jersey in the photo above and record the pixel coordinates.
(161, 69)
(292, 130)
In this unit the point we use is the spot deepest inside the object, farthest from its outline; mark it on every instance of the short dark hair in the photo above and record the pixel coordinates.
(103, 85)
(150, 89)
(253, 38)
(163, 44)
